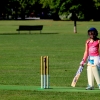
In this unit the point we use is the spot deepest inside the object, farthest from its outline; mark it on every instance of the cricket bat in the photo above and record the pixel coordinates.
(77, 75)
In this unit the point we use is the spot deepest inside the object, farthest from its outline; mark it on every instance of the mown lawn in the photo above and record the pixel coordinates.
(20, 59)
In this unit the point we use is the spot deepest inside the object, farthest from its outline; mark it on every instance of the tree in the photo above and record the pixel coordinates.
(20, 8)
(4, 8)
(53, 5)
(97, 11)
(80, 7)
(23, 6)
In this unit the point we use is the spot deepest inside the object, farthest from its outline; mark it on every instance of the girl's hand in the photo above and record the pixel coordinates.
(82, 63)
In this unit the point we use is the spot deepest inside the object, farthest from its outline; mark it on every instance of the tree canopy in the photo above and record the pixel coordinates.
(21, 8)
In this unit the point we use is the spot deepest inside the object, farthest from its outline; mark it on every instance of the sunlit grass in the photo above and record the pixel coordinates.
(20, 58)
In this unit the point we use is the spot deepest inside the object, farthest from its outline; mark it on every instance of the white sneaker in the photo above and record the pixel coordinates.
(89, 88)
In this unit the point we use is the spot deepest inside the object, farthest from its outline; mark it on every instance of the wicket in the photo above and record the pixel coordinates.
(44, 72)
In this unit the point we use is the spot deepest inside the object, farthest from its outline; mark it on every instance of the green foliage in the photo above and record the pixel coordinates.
(81, 8)
(58, 7)
(97, 4)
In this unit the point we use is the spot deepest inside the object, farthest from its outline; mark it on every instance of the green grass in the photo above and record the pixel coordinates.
(20, 60)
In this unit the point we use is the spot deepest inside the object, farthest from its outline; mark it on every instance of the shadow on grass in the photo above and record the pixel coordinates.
(25, 33)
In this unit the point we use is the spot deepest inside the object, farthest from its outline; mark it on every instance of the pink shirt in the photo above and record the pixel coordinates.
(93, 48)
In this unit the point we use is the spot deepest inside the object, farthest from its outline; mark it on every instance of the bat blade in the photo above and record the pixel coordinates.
(75, 79)
(77, 75)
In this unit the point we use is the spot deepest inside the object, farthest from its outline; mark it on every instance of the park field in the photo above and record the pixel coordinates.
(20, 60)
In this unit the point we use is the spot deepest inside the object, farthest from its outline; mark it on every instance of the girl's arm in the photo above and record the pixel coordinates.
(86, 53)
(99, 47)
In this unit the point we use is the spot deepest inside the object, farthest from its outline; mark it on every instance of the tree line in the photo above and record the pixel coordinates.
(53, 9)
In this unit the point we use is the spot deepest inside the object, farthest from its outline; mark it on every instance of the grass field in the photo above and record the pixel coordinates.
(20, 60)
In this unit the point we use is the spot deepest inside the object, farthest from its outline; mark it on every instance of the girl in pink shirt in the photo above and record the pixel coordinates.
(91, 55)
